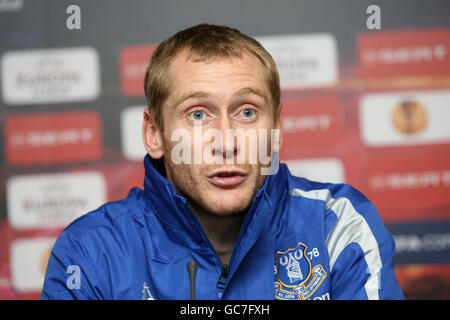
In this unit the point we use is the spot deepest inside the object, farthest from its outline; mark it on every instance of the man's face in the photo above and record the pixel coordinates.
(217, 96)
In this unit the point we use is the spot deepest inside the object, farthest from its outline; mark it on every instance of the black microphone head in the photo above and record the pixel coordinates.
(192, 270)
(192, 266)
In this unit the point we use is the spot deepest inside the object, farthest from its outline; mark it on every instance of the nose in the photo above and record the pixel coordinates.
(228, 149)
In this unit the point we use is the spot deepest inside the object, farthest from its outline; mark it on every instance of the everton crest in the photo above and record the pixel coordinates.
(295, 278)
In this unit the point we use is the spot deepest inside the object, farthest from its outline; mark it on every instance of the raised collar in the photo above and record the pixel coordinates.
(172, 209)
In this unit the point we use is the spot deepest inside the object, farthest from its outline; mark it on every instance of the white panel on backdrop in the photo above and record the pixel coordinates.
(53, 200)
(405, 118)
(11, 5)
(320, 169)
(29, 259)
(50, 75)
(308, 60)
(131, 133)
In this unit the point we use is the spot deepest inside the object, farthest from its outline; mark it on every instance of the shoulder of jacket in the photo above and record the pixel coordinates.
(326, 192)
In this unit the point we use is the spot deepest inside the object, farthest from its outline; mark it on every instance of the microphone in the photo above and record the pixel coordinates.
(192, 269)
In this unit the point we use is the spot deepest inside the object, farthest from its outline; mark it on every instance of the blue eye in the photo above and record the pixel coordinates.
(248, 113)
(197, 115)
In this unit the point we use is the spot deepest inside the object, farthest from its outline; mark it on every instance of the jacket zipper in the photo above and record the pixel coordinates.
(225, 271)
(224, 268)
(222, 282)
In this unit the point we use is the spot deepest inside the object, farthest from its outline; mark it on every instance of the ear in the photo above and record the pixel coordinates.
(279, 125)
(152, 136)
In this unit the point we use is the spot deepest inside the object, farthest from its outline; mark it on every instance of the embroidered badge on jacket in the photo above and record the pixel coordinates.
(295, 278)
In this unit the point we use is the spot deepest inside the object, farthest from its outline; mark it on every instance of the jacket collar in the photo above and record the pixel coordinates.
(172, 209)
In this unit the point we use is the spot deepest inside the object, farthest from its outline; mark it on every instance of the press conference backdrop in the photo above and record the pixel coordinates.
(366, 97)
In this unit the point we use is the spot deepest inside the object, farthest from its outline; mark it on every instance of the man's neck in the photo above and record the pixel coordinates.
(222, 231)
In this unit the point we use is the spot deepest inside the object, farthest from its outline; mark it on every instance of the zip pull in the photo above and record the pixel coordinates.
(224, 274)
(192, 269)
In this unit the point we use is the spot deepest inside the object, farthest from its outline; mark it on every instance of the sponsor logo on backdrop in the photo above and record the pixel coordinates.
(308, 60)
(405, 118)
(133, 64)
(404, 53)
(52, 200)
(411, 180)
(409, 117)
(11, 5)
(317, 122)
(131, 133)
(400, 185)
(311, 124)
(53, 137)
(320, 169)
(421, 242)
(50, 75)
(29, 259)
(429, 242)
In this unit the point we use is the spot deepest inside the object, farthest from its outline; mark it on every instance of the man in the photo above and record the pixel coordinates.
(212, 222)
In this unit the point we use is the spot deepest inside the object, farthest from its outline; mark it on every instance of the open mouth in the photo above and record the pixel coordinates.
(227, 179)
(226, 174)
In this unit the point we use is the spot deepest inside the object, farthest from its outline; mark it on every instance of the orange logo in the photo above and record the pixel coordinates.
(409, 117)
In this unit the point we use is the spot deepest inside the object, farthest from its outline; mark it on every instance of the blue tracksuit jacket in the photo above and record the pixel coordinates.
(299, 240)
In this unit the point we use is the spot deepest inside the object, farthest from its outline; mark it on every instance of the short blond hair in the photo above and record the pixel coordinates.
(205, 42)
